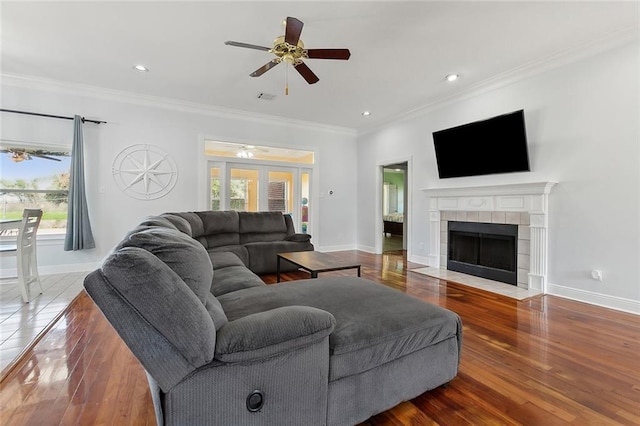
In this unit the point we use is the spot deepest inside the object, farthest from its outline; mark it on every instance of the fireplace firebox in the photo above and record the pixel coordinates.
(487, 250)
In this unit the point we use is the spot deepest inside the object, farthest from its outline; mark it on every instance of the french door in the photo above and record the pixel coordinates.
(249, 187)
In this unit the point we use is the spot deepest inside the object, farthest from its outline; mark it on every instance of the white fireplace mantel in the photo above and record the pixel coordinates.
(532, 198)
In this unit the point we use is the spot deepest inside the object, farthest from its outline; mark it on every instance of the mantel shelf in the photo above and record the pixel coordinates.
(533, 188)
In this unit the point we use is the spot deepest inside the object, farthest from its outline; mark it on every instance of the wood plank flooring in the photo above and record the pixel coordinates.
(541, 361)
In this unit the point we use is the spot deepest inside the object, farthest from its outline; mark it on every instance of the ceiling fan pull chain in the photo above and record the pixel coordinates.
(286, 84)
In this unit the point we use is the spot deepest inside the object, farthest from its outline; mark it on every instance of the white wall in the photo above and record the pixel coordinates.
(583, 130)
(176, 129)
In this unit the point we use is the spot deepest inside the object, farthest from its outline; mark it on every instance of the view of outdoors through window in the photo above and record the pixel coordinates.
(35, 178)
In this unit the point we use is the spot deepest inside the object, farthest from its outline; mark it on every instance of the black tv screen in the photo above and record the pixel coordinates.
(495, 145)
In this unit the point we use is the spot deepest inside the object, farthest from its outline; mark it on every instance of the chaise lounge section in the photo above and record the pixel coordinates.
(220, 347)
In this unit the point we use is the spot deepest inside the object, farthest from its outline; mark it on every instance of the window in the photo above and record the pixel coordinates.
(255, 178)
(33, 177)
(277, 197)
(215, 188)
(280, 191)
(243, 190)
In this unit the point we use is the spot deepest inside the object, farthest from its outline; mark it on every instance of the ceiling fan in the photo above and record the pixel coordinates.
(290, 49)
(19, 155)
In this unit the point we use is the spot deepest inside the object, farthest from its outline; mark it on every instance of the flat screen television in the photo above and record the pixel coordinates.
(491, 146)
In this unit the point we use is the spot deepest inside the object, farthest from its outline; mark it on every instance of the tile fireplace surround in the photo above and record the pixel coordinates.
(523, 204)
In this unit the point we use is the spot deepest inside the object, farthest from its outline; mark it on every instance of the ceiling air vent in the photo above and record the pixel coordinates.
(266, 96)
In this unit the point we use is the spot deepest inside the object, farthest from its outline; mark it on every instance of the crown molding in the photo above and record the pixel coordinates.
(528, 70)
(51, 85)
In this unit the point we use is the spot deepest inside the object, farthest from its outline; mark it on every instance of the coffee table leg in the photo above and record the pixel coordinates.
(278, 269)
(314, 274)
(358, 271)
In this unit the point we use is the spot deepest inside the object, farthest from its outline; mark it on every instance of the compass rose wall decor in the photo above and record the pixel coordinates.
(145, 172)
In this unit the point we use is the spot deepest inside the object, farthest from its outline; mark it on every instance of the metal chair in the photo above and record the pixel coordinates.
(25, 248)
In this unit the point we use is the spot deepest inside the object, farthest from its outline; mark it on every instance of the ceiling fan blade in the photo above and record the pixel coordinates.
(293, 31)
(46, 157)
(306, 73)
(246, 45)
(266, 67)
(343, 54)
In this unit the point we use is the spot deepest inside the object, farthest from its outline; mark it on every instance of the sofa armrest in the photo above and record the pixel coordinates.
(298, 238)
(269, 333)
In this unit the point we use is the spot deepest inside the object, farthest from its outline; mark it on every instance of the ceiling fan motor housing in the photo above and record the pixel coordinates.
(287, 52)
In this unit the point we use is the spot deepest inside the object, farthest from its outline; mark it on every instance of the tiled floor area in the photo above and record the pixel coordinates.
(477, 282)
(20, 323)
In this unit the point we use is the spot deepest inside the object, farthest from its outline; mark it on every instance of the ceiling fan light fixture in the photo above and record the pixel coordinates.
(244, 154)
(140, 68)
(452, 77)
(18, 157)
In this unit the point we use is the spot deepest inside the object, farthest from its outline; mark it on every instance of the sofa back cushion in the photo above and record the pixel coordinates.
(157, 315)
(180, 223)
(261, 227)
(220, 228)
(158, 222)
(185, 257)
(196, 226)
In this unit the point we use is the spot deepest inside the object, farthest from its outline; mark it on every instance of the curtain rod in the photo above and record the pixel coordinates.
(84, 120)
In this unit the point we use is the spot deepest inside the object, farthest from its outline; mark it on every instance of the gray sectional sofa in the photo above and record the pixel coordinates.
(255, 237)
(222, 348)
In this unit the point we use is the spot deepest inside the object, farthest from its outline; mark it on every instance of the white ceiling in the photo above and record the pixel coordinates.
(400, 51)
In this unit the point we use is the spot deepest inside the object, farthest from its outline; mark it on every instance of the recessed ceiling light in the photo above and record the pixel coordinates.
(366, 113)
(452, 77)
(140, 68)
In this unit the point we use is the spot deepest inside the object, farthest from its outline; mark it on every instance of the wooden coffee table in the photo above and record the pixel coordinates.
(315, 262)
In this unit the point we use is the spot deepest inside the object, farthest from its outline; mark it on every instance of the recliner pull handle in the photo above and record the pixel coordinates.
(255, 401)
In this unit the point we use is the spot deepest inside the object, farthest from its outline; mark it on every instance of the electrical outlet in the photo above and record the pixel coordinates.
(596, 274)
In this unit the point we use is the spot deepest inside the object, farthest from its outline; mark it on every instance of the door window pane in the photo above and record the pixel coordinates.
(304, 207)
(280, 192)
(215, 188)
(243, 190)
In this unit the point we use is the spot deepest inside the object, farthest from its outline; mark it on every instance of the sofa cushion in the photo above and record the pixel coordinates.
(179, 222)
(158, 295)
(219, 222)
(374, 324)
(185, 257)
(223, 259)
(261, 222)
(262, 227)
(298, 238)
(195, 223)
(234, 278)
(240, 251)
(181, 253)
(159, 222)
(263, 256)
(266, 334)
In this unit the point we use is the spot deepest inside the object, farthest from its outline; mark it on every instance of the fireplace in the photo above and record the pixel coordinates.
(522, 204)
(487, 250)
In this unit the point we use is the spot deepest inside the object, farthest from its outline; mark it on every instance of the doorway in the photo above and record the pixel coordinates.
(394, 203)
(253, 187)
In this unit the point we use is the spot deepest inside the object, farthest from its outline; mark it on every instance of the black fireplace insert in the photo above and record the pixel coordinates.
(487, 250)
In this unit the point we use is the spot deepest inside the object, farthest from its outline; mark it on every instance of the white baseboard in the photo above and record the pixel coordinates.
(613, 302)
(419, 259)
(367, 249)
(337, 248)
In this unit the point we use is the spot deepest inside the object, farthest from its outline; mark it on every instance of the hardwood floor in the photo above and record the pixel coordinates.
(541, 361)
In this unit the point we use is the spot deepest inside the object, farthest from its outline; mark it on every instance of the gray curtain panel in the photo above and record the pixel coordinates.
(79, 235)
